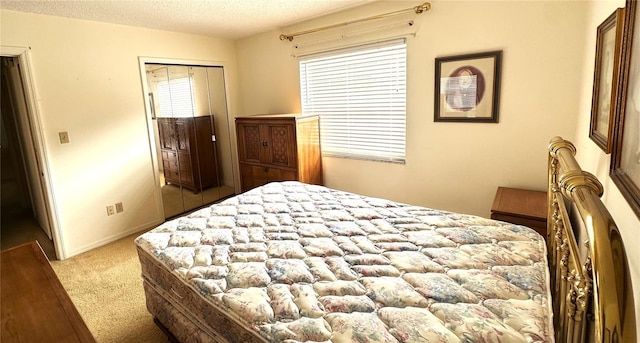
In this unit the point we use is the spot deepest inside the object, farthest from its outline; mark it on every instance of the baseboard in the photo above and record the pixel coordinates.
(113, 238)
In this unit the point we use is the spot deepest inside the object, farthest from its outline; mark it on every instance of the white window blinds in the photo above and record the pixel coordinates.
(176, 98)
(360, 95)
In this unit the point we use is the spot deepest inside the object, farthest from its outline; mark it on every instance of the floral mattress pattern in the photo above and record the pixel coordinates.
(304, 263)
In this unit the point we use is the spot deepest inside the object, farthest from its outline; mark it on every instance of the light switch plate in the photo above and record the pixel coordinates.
(64, 137)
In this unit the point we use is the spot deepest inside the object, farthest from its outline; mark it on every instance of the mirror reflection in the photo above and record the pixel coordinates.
(191, 128)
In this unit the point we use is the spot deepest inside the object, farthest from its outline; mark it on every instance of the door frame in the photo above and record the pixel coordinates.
(23, 54)
(142, 60)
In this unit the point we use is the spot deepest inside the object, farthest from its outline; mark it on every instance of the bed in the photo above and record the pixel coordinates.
(292, 262)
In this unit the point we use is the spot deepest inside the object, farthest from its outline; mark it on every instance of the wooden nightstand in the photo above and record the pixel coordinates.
(522, 207)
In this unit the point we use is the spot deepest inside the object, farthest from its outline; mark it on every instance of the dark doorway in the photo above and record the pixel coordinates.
(18, 218)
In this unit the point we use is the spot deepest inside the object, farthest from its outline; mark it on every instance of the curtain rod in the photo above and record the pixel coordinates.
(418, 10)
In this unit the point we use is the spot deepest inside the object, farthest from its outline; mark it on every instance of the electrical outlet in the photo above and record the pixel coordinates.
(110, 210)
(119, 207)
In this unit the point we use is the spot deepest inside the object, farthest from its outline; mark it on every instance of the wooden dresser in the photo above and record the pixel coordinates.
(189, 152)
(35, 307)
(522, 207)
(278, 147)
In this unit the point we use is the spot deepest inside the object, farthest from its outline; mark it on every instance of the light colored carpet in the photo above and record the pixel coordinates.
(106, 288)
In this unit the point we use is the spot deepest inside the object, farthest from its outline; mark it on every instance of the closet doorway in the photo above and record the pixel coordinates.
(187, 105)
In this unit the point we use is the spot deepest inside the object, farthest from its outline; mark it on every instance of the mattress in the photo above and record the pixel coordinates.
(291, 262)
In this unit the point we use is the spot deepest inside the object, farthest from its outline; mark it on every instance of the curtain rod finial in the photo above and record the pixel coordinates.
(422, 8)
(285, 37)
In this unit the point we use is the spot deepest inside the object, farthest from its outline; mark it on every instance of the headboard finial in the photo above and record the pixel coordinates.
(558, 143)
(573, 179)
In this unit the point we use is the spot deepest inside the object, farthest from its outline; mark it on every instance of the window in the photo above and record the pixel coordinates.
(360, 95)
(176, 98)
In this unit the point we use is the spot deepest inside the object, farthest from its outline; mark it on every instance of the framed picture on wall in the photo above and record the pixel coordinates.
(467, 87)
(605, 80)
(625, 161)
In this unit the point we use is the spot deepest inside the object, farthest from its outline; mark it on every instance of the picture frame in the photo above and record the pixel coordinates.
(467, 87)
(625, 160)
(605, 81)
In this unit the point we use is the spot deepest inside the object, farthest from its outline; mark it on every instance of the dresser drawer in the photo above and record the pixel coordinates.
(170, 156)
(170, 165)
(254, 176)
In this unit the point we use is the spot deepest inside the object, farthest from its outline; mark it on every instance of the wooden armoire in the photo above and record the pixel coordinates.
(278, 147)
(189, 156)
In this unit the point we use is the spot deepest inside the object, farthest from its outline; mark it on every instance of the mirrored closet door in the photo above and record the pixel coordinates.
(191, 128)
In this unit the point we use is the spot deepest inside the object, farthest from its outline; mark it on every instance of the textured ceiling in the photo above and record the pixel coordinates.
(232, 19)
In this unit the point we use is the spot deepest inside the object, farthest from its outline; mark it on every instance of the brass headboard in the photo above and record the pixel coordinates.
(591, 285)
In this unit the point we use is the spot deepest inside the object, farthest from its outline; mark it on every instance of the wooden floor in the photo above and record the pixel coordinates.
(18, 227)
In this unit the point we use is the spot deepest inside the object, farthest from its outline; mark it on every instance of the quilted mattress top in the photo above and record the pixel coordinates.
(304, 263)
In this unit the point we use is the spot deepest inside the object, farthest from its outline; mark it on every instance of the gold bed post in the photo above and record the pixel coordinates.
(598, 283)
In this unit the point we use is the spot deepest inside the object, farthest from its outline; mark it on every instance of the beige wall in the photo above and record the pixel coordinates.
(593, 159)
(87, 82)
(542, 45)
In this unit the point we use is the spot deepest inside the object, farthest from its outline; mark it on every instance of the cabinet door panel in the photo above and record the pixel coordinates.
(281, 140)
(250, 142)
(166, 133)
(183, 130)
